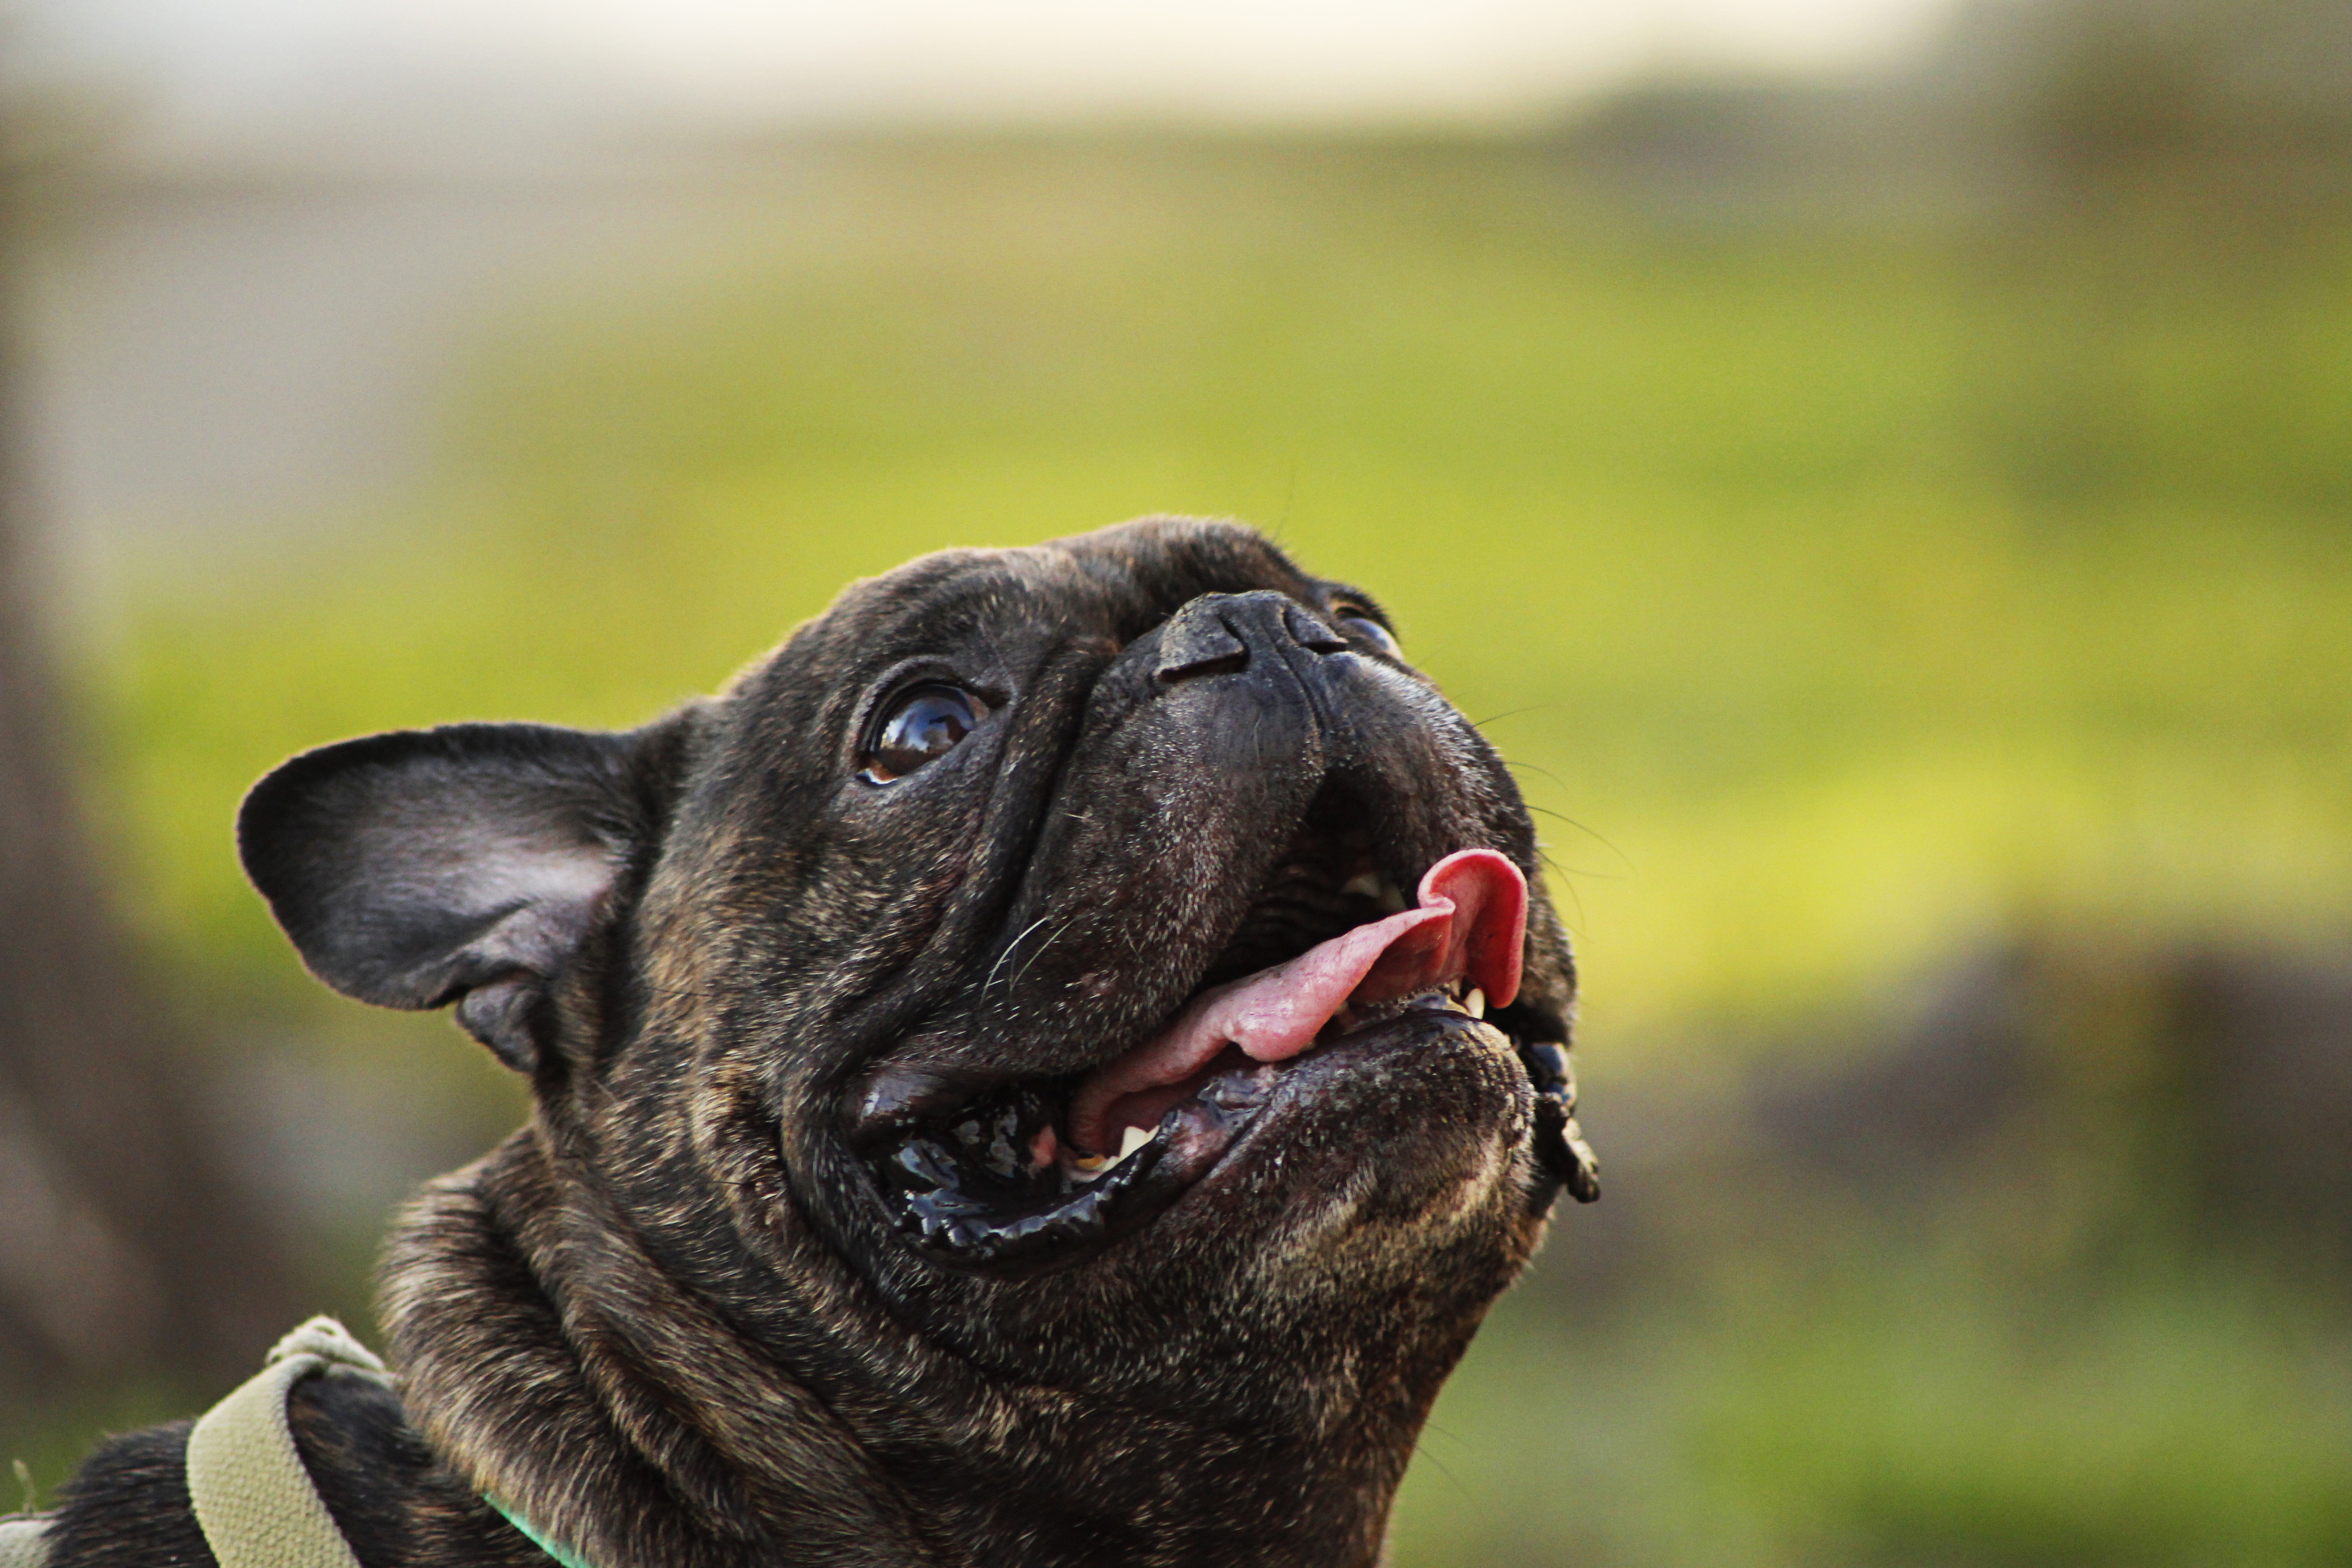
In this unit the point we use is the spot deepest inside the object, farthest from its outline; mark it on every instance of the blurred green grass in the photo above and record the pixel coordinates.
(1920, 1412)
(1846, 597)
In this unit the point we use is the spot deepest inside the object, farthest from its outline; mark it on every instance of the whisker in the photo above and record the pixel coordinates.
(1010, 948)
(1050, 941)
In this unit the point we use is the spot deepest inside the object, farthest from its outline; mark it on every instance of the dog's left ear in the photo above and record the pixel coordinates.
(465, 864)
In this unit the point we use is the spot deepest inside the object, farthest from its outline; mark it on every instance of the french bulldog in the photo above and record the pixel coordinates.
(1049, 1067)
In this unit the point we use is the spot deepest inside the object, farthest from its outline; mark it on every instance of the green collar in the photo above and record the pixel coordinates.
(563, 1555)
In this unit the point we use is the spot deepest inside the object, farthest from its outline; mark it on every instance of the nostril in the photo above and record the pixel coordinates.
(1197, 642)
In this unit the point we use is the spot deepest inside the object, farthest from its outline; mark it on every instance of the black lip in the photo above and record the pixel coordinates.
(1559, 1145)
(949, 1210)
(939, 1213)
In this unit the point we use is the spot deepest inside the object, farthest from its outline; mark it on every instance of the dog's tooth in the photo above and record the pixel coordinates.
(1131, 1140)
(1475, 1003)
(1363, 885)
(1393, 899)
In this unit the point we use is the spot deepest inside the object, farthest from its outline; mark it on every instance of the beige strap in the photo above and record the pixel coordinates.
(23, 1542)
(253, 1497)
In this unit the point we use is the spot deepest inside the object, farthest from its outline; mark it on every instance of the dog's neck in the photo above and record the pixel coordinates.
(555, 1366)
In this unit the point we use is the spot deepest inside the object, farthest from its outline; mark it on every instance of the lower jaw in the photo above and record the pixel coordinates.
(942, 1208)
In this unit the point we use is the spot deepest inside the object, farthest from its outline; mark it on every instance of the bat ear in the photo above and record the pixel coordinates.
(466, 864)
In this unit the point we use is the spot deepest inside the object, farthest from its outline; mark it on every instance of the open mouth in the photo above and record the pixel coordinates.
(1033, 1171)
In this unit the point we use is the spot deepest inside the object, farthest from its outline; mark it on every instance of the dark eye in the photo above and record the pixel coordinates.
(920, 726)
(1357, 623)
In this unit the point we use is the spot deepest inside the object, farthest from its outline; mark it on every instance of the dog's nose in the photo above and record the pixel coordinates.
(1217, 634)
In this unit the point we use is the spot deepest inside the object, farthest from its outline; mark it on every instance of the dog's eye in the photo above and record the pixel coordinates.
(1357, 623)
(920, 727)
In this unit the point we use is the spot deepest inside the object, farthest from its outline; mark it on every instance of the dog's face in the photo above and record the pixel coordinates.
(846, 992)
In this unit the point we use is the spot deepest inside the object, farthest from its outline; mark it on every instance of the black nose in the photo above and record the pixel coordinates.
(1218, 634)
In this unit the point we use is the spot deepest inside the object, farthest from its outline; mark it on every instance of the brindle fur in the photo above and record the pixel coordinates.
(667, 1318)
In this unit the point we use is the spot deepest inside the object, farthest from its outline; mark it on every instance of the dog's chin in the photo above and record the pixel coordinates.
(1413, 1119)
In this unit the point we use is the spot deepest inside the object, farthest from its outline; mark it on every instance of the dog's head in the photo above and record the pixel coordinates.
(1108, 963)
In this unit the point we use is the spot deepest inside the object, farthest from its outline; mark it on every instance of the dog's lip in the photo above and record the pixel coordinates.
(1470, 928)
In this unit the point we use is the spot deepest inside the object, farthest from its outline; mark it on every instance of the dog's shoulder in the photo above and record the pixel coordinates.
(398, 1507)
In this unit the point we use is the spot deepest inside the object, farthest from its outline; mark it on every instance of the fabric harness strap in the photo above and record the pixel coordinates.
(253, 1495)
(24, 1542)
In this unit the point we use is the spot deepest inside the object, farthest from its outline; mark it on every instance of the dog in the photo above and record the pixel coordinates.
(1049, 1067)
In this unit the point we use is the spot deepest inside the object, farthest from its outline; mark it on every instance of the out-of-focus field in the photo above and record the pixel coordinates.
(1852, 599)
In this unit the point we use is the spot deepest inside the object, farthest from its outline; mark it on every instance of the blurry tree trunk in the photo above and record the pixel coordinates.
(124, 1252)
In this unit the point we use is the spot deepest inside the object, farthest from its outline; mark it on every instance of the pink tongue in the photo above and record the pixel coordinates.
(1471, 925)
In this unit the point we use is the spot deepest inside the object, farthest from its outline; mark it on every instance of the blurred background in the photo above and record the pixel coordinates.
(1881, 471)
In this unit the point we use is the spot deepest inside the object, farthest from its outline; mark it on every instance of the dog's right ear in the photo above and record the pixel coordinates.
(465, 864)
